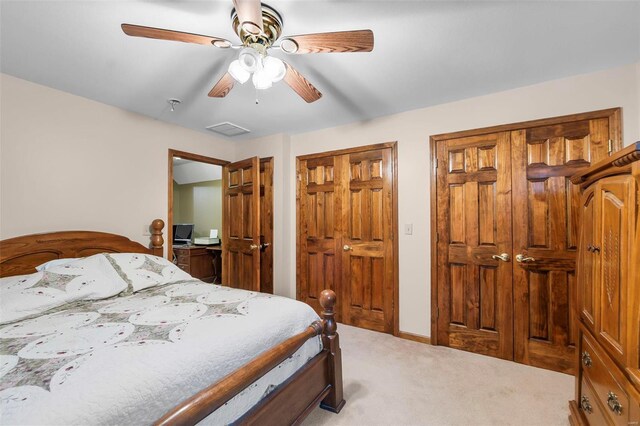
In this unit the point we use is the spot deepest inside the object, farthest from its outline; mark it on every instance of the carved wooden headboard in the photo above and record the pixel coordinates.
(20, 255)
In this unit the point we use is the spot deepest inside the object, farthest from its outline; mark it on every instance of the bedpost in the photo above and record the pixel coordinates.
(156, 237)
(334, 400)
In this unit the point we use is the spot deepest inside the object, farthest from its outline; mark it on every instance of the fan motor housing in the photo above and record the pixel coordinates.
(271, 27)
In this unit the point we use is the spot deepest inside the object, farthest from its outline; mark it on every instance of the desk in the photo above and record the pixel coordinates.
(216, 252)
(196, 261)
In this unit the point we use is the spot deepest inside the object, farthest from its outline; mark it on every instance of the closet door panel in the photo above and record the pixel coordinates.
(545, 236)
(367, 240)
(474, 287)
(319, 230)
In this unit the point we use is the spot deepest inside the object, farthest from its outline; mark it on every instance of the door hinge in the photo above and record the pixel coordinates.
(437, 313)
(299, 177)
(437, 237)
(610, 146)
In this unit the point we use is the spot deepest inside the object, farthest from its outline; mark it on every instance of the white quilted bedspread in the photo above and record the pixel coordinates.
(129, 359)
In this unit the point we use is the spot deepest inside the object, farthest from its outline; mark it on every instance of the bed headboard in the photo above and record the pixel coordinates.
(20, 255)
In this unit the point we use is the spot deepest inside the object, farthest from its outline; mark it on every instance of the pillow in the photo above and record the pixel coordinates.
(144, 270)
(89, 278)
(55, 262)
(20, 282)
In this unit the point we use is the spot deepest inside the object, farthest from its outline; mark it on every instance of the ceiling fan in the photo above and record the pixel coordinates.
(259, 27)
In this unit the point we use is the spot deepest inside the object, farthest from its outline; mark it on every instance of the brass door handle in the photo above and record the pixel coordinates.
(586, 359)
(521, 258)
(504, 257)
(254, 246)
(347, 247)
(264, 246)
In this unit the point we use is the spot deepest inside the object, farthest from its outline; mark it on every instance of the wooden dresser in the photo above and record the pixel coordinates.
(608, 292)
(196, 261)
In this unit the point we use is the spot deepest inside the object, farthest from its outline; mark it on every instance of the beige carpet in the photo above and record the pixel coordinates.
(392, 381)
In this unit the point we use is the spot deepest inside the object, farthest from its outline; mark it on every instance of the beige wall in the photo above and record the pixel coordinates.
(67, 162)
(199, 203)
(611, 88)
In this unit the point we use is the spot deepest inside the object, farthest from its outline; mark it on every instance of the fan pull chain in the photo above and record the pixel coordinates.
(257, 101)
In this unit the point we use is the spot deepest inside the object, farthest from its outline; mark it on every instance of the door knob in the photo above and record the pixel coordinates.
(347, 247)
(264, 246)
(521, 258)
(254, 246)
(504, 257)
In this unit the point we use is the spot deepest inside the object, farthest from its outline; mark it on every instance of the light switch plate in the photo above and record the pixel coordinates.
(145, 231)
(408, 228)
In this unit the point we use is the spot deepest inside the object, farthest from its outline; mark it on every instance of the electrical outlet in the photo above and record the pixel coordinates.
(408, 228)
(145, 231)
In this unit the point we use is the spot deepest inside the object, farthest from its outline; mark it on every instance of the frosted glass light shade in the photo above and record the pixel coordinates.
(274, 68)
(238, 72)
(249, 59)
(261, 79)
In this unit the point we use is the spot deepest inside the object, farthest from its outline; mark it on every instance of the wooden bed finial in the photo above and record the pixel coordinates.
(334, 400)
(328, 301)
(156, 237)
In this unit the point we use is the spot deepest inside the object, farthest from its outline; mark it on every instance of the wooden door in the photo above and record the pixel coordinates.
(473, 228)
(266, 225)
(586, 262)
(241, 223)
(545, 236)
(616, 205)
(367, 239)
(319, 230)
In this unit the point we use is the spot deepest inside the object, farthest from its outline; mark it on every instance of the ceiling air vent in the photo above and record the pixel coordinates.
(228, 129)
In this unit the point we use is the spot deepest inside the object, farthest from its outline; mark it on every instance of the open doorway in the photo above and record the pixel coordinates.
(220, 217)
(195, 214)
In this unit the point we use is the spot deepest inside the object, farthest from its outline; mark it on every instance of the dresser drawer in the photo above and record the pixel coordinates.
(600, 372)
(589, 405)
(183, 259)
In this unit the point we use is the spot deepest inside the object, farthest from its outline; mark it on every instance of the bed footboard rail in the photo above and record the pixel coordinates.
(199, 406)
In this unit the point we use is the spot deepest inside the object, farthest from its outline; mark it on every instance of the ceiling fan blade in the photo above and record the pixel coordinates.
(222, 87)
(338, 42)
(249, 15)
(301, 85)
(162, 34)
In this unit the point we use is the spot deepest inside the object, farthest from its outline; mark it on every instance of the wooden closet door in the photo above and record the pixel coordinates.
(545, 236)
(319, 231)
(367, 239)
(266, 225)
(241, 219)
(473, 228)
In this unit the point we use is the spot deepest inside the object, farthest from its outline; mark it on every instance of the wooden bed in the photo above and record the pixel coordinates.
(317, 382)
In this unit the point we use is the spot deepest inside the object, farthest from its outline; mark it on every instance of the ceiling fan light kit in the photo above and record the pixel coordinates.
(259, 26)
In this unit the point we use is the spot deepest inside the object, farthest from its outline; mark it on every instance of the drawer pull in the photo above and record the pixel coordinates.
(586, 359)
(614, 404)
(586, 405)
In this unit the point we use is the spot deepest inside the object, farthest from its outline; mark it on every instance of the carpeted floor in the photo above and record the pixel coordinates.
(392, 381)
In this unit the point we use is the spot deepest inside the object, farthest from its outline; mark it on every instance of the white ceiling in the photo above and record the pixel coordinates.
(187, 171)
(425, 53)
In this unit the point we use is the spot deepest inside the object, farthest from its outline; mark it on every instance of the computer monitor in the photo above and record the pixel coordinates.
(182, 233)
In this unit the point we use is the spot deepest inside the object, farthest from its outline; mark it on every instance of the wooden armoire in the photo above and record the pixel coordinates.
(608, 278)
(504, 222)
